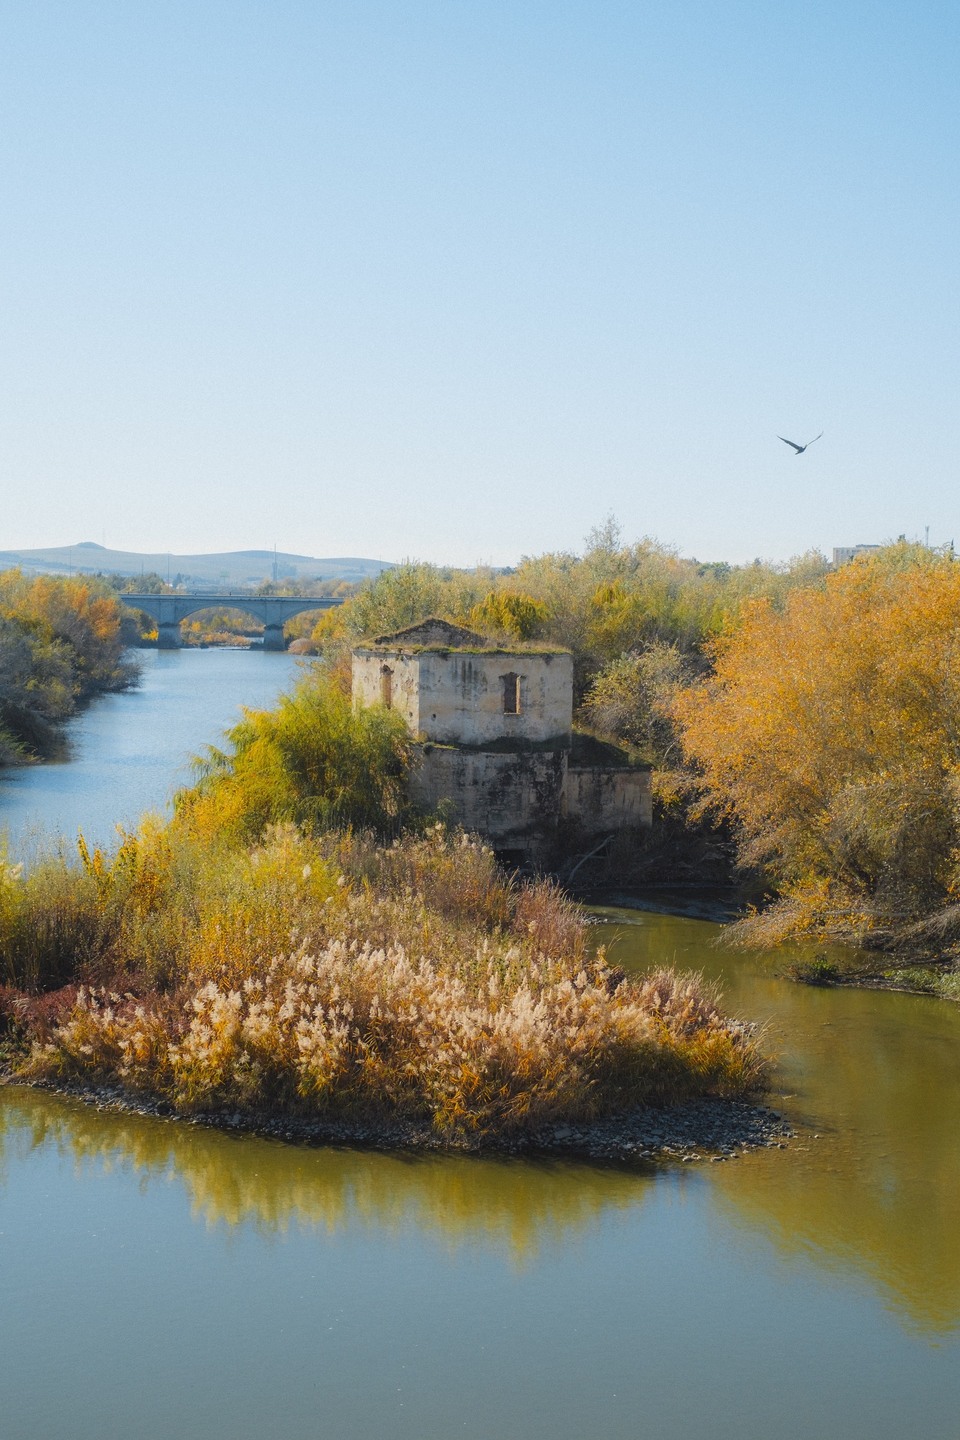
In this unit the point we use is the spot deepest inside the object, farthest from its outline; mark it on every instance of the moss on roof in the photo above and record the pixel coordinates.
(374, 647)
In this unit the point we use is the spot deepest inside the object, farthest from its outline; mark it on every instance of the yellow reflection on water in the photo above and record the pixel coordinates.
(876, 1075)
(877, 1196)
(518, 1207)
(880, 1190)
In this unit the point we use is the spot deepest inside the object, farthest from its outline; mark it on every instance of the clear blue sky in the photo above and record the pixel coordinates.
(455, 279)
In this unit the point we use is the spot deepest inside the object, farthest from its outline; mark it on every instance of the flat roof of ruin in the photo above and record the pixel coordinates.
(376, 647)
(440, 637)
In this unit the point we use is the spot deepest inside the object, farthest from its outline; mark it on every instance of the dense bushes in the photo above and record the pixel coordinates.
(172, 902)
(61, 641)
(314, 760)
(828, 736)
(332, 976)
(614, 600)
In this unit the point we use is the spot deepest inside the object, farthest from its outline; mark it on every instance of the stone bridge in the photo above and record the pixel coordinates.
(273, 610)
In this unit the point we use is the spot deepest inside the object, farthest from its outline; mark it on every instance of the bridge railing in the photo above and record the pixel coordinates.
(170, 609)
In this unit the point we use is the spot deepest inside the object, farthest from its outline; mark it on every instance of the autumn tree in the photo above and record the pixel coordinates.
(61, 640)
(315, 760)
(632, 699)
(829, 735)
(408, 593)
(509, 613)
(618, 599)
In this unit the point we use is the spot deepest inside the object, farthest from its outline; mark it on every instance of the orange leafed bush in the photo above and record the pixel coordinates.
(829, 736)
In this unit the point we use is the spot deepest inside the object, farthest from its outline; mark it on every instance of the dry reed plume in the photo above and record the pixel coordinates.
(335, 977)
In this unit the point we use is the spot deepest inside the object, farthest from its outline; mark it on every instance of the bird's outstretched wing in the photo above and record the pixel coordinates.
(810, 442)
(799, 448)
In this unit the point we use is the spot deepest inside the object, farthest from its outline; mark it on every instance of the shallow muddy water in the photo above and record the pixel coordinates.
(158, 1279)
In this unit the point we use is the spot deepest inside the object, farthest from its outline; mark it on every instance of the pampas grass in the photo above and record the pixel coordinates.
(333, 976)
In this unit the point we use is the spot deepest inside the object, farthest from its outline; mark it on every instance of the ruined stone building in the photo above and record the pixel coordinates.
(496, 749)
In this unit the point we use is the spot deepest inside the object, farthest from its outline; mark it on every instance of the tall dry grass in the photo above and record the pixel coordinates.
(483, 1049)
(329, 975)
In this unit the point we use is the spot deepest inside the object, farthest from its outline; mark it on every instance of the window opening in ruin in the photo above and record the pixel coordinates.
(511, 694)
(386, 686)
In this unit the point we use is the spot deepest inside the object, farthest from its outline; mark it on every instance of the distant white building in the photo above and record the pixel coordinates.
(843, 554)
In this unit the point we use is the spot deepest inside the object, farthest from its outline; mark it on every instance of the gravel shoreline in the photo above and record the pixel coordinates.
(709, 1130)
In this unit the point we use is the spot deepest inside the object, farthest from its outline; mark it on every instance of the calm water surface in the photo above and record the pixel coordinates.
(157, 1279)
(128, 753)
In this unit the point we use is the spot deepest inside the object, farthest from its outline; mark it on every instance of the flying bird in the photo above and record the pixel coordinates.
(799, 448)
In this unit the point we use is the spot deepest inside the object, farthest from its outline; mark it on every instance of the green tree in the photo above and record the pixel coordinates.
(509, 613)
(632, 699)
(315, 760)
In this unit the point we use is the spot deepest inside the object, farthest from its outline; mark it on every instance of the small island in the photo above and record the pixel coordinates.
(302, 951)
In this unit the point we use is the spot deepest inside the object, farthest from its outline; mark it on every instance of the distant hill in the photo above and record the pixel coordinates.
(235, 569)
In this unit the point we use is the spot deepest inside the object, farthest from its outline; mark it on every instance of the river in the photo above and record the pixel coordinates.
(159, 1279)
(127, 753)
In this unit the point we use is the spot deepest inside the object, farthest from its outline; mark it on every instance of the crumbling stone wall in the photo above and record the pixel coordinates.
(459, 697)
(517, 800)
(603, 799)
(495, 728)
(514, 800)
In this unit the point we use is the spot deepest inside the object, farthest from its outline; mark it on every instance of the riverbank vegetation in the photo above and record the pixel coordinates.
(827, 737)
(335, 977)
(615, 600)
(61, 642)
(800, 722)
(261, 954)
(315, 761)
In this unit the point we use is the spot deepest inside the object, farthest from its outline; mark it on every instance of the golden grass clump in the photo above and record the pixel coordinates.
(333, 977)
(488, 1049)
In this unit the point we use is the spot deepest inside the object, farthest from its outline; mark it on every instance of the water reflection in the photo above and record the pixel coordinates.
(126, 753)
(880, 1191)
(875, 1076)
(875, 1199)
(517, 1207)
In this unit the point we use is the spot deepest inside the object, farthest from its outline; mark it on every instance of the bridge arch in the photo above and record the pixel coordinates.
(272, 610)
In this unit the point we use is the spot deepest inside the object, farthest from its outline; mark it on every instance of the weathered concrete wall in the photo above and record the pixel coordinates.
(516, 800)
(456, 697)
(503, 773)
(602, 799)
(513, 800)
(368, 678)
(462, 698)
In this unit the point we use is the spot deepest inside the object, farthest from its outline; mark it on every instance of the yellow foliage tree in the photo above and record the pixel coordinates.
(510, 613)
(829, 735)
(61, 640)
